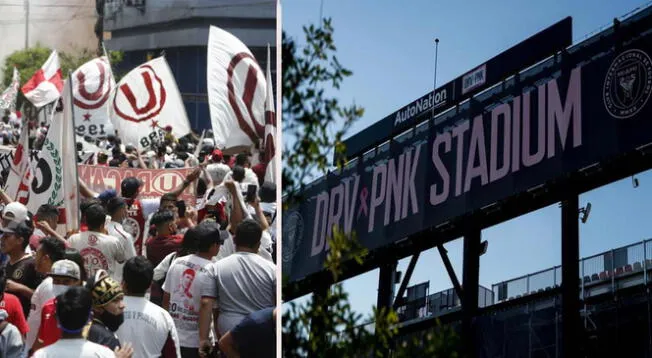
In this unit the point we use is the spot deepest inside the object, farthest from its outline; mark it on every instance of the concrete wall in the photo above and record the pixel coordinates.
(65, 25)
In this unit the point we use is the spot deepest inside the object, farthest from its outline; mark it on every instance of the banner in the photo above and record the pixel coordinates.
(236, 92)
(92, 84)
(146, 101)
(54, 177)
(8, 97)
(156, 182)
(564, 115)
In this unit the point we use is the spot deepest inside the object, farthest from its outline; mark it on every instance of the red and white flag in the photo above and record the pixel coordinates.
(270, 127)
(46, 84)
(236, 92)
(19, 174)
(92, 84)
(146, 101)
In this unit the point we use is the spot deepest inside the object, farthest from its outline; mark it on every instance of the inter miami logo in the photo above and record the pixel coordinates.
(628, 84)
(292, 235)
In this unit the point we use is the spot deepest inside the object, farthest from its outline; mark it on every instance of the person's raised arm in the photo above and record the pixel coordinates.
(4, 197)
(186, 182)
(260, 215)
(237, 212)
(86, 191)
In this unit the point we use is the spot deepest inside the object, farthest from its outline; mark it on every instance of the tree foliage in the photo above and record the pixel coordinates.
(314, 124)
(28, 61)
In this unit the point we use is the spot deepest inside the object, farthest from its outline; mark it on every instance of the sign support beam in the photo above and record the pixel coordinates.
(449, 268)
(471, 278)
(570, 255)
(386, 293)
(406, 280)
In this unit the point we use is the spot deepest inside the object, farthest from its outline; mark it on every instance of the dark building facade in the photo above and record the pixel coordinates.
(179, 29)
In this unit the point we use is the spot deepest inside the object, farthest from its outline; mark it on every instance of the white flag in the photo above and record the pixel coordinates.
(270, 127)
(55, 179)
(236, 92)
(92, 84)
(69, 150)
(18, 178)
(8, 97)
(145, 102)
(46, 84)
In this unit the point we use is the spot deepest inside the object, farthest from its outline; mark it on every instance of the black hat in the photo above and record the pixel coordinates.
(130, 185)
(115, 203)
(267, 192)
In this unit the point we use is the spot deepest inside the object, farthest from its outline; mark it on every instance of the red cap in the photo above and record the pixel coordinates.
(217, 155)
(168, 128)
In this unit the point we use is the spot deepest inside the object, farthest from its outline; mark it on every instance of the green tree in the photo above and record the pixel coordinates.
(314, 125)
(313, 122)
(28, 61)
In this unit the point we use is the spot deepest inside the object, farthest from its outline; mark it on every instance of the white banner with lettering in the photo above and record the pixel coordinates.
(236, 92)
(92, 84)
(146, 101)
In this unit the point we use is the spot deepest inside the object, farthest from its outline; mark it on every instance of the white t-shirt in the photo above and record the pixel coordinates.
(42, 294)
(242, 283)
(115, 229)
(228, 248)
(147, 327)
(162, 269)
(183, 283)
(99, 251)
(77, 347)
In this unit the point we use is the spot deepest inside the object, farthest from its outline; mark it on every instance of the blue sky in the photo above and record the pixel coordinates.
(389, 46)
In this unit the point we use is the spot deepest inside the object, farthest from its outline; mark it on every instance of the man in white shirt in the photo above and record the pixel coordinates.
(100, 251)
(148, 327)
(73, 313)
(49, 251)
(182, 297)
(117, 209)
(241, 284)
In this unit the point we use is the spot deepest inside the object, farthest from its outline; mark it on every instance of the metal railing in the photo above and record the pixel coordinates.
(605, 268)
(439, 303)
(609, 271)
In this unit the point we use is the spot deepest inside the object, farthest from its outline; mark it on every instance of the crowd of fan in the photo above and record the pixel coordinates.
(146, 277)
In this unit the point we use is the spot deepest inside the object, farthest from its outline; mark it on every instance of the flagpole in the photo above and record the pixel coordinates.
(434, 80)
(198, 149)
(72, 113)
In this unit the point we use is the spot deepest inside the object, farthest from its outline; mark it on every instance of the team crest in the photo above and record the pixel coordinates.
(18, 274)
(292, 235)
(628, 84)
(92, 240)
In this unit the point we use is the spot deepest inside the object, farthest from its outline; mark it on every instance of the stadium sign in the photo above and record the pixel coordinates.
(570, 112)
(505, 64)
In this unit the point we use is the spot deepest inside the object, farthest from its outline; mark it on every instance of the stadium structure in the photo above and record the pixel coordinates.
(538, 124)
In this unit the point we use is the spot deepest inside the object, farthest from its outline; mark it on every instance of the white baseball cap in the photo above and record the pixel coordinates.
(15, 211)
